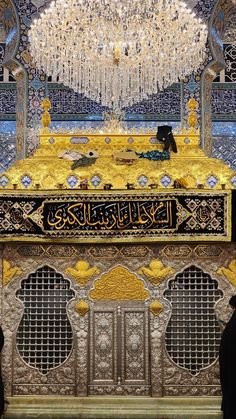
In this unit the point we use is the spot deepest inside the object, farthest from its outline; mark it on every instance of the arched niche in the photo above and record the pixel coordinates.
(217, 27)
(11, 32)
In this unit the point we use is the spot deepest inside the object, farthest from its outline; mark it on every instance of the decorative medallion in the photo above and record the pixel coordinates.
(135, 251)
(205, 251)
(60, 251)
(103, 251)
(82, 307)
(9, 272)
(156, 308)
(229, 273)
(30, 250)
(119, 284)
(156, 272)
(177, 251)
(81, 272)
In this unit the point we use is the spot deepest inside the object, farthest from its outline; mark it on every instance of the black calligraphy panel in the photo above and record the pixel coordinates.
(173, 215)
(110, 216)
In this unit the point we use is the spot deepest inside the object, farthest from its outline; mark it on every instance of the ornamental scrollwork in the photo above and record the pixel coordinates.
(119, 284)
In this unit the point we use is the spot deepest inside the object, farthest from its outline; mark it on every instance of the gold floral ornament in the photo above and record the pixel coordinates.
(192, 116)
(119, 284)
(82, 272)
(229, 273)
(156, 272)
(46, 118)
(187, 182)
(156, 308)
(82, 308)
(9, 272)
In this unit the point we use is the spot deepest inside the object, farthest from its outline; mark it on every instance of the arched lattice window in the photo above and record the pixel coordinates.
(44, 337)
(193, 332)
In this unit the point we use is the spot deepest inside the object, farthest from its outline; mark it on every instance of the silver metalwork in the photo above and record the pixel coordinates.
(119, 351)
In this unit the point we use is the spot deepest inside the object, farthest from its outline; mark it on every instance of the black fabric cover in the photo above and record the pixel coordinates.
(227, 358)
(164, 133)
(232, 301)
(1, 382)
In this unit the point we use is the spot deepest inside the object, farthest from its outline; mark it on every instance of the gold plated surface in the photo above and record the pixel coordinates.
(47, 171)
(156, 308)
(119, 284)
(82, 308)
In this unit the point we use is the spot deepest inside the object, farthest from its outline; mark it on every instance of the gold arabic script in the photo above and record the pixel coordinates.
(158, 214)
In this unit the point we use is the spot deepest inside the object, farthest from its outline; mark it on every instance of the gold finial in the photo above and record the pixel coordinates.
(192, 106)
(46, 118)
(117, 55)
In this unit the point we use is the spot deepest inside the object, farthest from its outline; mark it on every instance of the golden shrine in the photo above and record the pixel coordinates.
(50, 172)
(128, 267)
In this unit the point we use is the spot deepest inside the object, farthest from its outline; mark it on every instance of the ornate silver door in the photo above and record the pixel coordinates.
(119, 351)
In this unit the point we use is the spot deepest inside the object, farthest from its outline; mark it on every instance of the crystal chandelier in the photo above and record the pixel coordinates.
(118, 52)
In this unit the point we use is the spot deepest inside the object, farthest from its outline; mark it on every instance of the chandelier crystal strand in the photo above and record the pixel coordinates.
(118, 52)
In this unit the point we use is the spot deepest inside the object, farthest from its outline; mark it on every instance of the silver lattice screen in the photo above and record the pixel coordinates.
(44, 337)
(193, 332)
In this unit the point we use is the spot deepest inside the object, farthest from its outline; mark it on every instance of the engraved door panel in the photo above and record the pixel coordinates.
(103, 343)
(119, 351)
(135, 354)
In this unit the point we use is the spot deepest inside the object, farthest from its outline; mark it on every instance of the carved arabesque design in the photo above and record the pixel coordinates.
(134, 346)
(119, 284)
(104, 338)
(119, 351)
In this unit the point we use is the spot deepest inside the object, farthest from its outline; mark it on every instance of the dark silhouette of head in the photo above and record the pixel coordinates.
(164, 133)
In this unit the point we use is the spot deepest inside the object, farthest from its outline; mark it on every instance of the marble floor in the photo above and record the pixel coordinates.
(113, 407)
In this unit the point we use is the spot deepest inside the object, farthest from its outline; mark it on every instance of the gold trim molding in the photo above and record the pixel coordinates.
(119, 284)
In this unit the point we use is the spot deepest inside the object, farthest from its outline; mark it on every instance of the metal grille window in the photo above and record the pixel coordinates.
(44, 338)
(193, 333)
